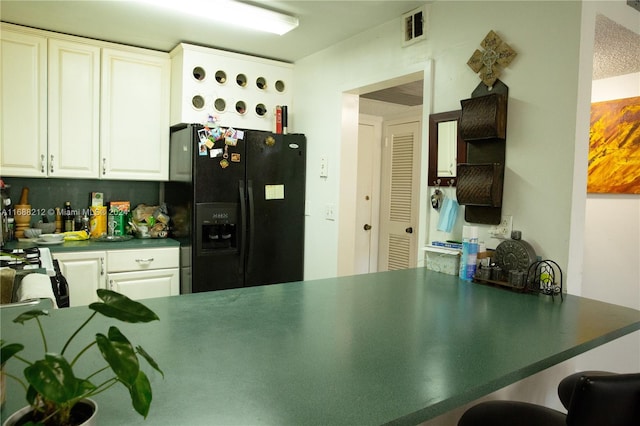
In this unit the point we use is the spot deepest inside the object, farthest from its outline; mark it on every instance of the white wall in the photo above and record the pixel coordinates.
(612, 224)
(541, 116)
(320, 82)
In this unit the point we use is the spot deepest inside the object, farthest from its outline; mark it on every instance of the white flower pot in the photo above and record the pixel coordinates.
(91, 421)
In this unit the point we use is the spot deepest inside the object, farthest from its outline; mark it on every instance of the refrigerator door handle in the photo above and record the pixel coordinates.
(243, 222)
(251, 223)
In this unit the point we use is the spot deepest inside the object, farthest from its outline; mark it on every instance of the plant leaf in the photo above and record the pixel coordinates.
(83, 386)
(141, 395)
(53, 378)
(31, 395)
(7, 351)
(26, 316)
(150, 360)
(120, 355)
(116, 305)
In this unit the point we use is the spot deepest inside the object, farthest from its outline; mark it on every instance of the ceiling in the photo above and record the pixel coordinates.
(616, 49)
(322, 24)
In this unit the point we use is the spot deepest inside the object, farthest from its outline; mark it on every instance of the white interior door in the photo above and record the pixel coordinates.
(368, 195)
(400, 195)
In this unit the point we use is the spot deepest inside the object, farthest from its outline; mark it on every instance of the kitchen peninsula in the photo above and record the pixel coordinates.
(401, 346)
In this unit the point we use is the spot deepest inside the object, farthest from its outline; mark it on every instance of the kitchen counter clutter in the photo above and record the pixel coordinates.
(396, 347)
(93, 244)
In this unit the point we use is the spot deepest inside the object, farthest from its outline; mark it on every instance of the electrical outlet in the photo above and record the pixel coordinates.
(329, 212)
(503, 229)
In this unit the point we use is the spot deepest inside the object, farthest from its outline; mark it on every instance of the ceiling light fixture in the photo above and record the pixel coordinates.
(232, 13)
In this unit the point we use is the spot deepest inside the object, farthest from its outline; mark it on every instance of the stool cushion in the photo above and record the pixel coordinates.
(568, 384)
(509, 413)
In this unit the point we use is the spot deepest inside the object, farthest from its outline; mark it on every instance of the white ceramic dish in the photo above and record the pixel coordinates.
(52, 237)
(48, 243)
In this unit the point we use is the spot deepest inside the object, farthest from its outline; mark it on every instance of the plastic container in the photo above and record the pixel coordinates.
(98, 221)
(442, 259)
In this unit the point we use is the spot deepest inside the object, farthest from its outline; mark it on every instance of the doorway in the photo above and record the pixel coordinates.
(389, 101)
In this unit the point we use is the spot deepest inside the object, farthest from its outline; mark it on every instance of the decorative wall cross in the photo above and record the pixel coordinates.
(497, 55)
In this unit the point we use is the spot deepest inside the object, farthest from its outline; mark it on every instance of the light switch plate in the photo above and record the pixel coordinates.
(324, 166)
(330, 212)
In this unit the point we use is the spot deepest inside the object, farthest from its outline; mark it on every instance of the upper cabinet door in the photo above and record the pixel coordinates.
(134, 142)
(23, 104)
(74, 110)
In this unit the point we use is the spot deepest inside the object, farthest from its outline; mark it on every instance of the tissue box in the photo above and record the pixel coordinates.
(441, 259)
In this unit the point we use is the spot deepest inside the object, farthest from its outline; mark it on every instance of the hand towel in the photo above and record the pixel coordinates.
(7, 278)
(36, 286)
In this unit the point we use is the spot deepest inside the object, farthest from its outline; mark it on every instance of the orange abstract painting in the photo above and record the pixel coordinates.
(614, 147)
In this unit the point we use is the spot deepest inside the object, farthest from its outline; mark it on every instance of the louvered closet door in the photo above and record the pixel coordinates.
(400, 192)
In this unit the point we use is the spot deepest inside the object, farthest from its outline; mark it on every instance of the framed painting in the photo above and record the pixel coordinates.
(614, 147)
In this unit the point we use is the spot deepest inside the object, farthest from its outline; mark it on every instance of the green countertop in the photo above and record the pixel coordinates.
(402, 347)
(91, 244)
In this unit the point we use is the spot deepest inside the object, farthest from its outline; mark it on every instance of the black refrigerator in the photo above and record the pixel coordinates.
(236, 200)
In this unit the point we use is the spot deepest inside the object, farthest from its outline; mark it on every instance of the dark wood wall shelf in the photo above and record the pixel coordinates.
(483, 126)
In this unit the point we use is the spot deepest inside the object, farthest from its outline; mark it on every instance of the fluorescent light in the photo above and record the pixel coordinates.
(232, 13)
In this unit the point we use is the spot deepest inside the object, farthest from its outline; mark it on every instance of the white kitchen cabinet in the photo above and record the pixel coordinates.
(85, 272)
(80, 108)
(141, 274)
(74, 109)
(23, 103)
(134, 126)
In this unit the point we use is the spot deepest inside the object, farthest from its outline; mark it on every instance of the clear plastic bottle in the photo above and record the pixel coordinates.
(469, 252)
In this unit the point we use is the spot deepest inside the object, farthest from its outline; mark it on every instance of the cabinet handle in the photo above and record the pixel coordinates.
(149, 260)
(104, 165)
(102, 266)
(51, 164)
(111, 284)
(43, 163)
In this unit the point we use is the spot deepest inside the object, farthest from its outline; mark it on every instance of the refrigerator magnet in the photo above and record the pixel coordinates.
(203, 135)
(224, 163)
(217, 133)
(214, 153)
(209, 143)
(202, 149)
(235, 157)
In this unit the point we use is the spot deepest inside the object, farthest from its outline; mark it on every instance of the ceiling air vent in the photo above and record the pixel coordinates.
(413, 26)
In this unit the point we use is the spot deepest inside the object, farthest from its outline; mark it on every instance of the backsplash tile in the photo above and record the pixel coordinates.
(45, 194)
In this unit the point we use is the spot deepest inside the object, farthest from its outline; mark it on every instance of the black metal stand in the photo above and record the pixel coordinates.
(542, 278)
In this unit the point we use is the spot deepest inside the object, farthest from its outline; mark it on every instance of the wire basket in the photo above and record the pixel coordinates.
(545, 276)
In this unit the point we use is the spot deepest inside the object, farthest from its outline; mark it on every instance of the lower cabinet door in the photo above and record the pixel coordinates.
(85, 273)
(146, 284)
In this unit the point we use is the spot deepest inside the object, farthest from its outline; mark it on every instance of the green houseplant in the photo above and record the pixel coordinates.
(53, 390)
